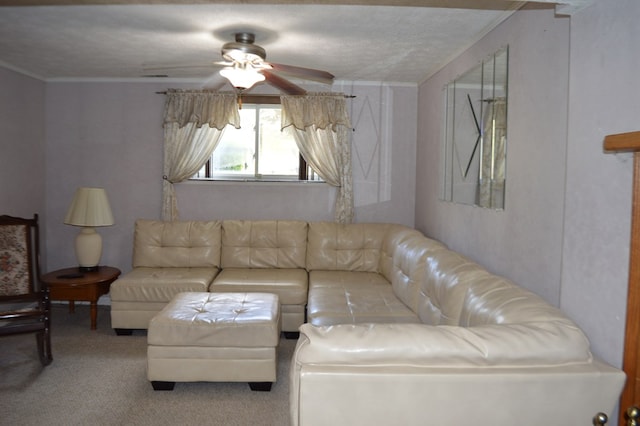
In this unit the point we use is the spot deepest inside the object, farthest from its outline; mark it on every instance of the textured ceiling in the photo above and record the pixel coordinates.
(353, 42)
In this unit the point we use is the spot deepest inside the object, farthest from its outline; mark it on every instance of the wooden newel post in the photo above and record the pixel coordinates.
(630, 142)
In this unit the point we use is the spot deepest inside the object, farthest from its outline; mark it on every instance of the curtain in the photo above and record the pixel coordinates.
(321, 127)
(493, 157)
(193, 125)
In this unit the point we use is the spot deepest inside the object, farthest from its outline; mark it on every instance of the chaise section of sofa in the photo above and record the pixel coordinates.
(482, 350)
(168, 258)
(266, 256)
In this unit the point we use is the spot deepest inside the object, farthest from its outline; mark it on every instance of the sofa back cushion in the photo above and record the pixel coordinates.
(494, 304)
(402, 262)
(494, 300)
(185, 244)
(345, 247)
(264, 244)
(442, 292)
(458, 292)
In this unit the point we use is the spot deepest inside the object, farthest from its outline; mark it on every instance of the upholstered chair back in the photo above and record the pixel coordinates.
(16, 275)
(264, 244)
(192, 244)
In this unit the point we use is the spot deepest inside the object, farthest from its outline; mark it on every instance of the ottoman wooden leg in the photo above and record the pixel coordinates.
(162, 386)
(260, 386)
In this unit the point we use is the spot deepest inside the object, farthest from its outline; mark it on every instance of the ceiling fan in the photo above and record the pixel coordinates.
(245, 65)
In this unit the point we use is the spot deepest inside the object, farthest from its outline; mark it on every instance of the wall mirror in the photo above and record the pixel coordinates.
(475, 141)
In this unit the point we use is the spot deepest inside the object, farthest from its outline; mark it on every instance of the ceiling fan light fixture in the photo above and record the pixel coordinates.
(242, 78)
(243, 57)
(246, 65)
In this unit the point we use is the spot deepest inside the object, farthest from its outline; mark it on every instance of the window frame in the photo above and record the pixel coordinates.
(305, 173)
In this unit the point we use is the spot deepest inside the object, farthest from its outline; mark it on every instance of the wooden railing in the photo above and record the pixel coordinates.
(630, 142)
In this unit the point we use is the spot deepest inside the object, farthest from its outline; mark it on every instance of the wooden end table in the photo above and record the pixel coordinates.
(70, 284)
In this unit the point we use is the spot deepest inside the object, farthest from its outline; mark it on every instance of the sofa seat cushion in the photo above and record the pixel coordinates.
(290, 285)
(343, 297)
(160, 284)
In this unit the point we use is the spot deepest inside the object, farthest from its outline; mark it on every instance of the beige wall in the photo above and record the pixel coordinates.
(524, 241)
(22, 155)
(564, 233)
(604, 99)
(109, 134)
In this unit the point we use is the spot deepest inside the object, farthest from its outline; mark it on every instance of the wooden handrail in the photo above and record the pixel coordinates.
(622, 142)
(630, 142)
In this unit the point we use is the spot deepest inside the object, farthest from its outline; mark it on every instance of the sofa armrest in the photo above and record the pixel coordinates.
(411, 374)
(545, 343)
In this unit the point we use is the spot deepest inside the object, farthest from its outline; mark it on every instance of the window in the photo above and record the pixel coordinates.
(259, 150)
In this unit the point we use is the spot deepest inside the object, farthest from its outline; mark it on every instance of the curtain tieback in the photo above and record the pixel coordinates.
(165, 177)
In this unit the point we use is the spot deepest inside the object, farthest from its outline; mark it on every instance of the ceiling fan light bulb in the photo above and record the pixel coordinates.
(242, 78)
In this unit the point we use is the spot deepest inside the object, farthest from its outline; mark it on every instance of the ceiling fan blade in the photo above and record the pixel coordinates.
(305, 73)
(282, 84)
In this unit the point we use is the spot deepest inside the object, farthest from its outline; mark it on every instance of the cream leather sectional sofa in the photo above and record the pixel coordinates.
(398, 328)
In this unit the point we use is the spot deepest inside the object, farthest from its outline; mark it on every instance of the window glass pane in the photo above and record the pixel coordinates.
(277, 151)
(235, 154)
(258, 150)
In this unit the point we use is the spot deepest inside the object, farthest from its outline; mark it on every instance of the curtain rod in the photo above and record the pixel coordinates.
(247, 95)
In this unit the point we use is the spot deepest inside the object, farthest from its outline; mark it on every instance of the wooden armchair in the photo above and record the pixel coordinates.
(24, 301)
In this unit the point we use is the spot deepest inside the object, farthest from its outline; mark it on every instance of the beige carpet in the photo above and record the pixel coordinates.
(98, 378)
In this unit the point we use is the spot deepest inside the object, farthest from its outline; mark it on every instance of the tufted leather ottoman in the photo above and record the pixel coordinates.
(215, 337)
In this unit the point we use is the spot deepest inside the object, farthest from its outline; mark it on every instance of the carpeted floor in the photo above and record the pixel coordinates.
(98, 378)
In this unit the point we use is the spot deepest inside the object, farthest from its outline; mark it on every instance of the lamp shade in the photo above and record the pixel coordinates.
(90, 207)
(242, 77)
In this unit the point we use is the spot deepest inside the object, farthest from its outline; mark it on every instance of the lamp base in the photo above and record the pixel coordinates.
(88, 249)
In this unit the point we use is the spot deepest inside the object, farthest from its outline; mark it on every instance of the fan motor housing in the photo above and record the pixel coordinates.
(244, 44)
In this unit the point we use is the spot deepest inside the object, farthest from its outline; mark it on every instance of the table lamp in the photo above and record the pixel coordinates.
(89, 209)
